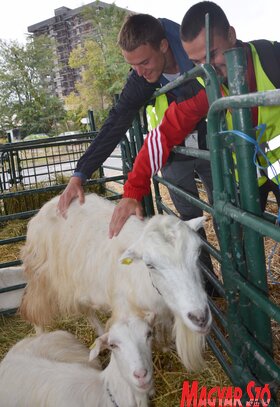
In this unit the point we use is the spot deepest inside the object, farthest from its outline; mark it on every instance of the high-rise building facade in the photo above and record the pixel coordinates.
(67, 28)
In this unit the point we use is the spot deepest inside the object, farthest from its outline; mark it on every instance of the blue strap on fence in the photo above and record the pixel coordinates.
(258, 150)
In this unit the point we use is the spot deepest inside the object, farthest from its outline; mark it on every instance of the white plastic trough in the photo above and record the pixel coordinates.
(9, 277)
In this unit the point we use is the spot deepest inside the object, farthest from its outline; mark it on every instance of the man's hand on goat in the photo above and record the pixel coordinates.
(73, 190)
(125, 208)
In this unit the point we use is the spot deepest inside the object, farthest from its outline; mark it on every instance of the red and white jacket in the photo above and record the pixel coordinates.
(179, 119)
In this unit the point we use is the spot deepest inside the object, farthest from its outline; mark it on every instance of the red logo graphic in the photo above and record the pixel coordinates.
(224, 396)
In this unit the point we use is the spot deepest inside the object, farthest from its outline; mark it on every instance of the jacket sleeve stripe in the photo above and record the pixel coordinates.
(150, 150)
(159, 147)
(155, 147)
(155, 151)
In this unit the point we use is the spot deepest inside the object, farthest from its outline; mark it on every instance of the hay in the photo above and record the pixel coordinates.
(24, 203)
(36, 200)
(11, 229)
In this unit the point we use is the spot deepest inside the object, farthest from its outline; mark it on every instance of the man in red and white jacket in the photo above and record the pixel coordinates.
(179, 119)
(182, 117)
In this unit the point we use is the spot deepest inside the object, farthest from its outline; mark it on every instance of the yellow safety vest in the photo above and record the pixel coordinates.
(268, 115)
(155, 112)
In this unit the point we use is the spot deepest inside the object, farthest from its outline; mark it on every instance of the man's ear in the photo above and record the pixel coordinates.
(232, 36)
(164, 45)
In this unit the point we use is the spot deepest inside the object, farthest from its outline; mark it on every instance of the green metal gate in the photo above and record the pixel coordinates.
(242, 229)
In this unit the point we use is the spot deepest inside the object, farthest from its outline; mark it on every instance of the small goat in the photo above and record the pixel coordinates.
(73, 267)
(53, 369)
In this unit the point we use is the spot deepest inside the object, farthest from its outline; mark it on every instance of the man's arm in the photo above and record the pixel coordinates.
(135, 93)
(179, 119)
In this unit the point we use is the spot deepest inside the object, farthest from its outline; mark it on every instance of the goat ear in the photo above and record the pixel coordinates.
(171, 234)
(100, 344)
(150, 317)
(128, 256)
(196, 223)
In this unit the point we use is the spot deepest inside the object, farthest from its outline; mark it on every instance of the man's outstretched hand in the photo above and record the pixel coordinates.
(125, 208)
(73, 190)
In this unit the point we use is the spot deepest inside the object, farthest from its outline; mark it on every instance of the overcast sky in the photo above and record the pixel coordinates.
(252, 19)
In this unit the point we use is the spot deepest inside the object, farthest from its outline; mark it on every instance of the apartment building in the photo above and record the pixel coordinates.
(68, 27)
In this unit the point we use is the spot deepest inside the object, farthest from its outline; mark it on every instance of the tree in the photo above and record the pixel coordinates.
(103, 69)
(25, 98)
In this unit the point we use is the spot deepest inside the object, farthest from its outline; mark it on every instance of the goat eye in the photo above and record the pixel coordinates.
(113, 346)
(149, 334)
(150, 266)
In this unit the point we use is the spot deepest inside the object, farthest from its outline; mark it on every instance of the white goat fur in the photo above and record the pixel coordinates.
(53, 369)
(73, 267)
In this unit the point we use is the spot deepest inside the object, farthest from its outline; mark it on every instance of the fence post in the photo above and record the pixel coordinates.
(258, 323)
(91, 121)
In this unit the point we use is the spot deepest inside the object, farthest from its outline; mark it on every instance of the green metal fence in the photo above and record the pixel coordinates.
(242, 337)
(241, 230)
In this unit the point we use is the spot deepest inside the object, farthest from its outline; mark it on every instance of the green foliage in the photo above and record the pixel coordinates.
(103, 67)
(72, 121)
(25, 99)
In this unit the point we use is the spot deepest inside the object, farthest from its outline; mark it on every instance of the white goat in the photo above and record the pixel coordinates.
(35, 372)
(73, 267)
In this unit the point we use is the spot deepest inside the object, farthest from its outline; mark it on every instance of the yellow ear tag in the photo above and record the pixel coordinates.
(92, 346)
(127, 260)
